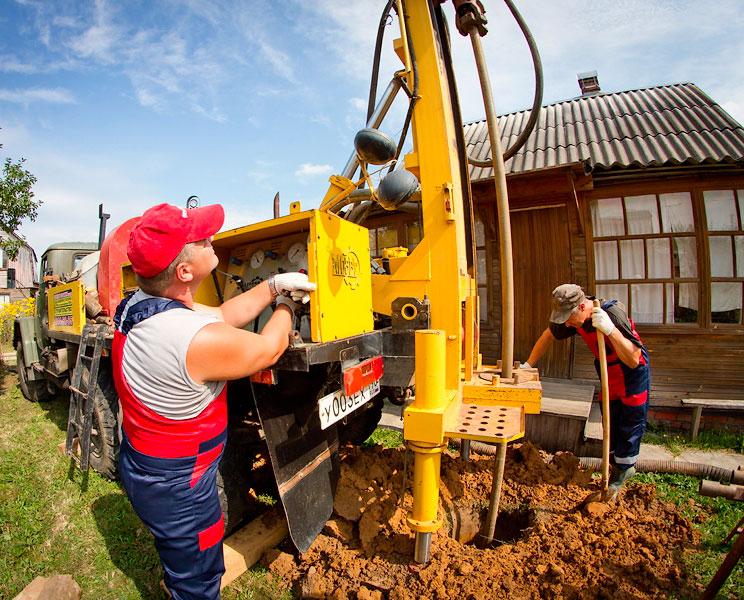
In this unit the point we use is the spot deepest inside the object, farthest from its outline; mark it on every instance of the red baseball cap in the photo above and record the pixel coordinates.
(164, 230)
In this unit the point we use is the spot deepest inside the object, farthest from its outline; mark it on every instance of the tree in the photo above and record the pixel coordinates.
(17, 202)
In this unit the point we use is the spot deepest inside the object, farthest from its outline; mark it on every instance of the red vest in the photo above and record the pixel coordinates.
(631, 385)
(147, 431)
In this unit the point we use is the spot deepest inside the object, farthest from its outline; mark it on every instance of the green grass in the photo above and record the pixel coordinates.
(389, 438)
(50, 523)
(676, 442)
(713, 517)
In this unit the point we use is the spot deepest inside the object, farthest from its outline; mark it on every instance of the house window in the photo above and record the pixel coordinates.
(646, 254)
(401, 232)
(4, 299)
(723, 214)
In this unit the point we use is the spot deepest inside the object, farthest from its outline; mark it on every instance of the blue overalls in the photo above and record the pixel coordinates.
(168, 468)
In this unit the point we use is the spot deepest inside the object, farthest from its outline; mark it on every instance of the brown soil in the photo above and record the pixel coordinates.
(630, 548)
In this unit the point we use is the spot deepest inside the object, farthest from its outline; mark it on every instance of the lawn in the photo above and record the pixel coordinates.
(53, 521)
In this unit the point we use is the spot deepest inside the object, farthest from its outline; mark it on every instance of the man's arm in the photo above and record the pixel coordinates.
(243, 308)
(222, 352)
(541, 347)
(628, 352)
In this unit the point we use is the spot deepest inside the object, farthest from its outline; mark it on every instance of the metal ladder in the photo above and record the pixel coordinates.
(80, 418)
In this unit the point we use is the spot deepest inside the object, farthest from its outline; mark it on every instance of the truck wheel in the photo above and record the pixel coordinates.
(35, 391)
(104, 434)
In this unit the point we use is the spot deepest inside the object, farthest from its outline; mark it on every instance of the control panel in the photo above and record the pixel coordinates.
(332, 251)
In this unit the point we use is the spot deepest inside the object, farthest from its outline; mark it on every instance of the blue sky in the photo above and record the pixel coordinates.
(133, 103)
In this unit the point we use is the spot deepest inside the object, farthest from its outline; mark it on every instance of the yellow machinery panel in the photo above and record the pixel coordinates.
(66, 307)
(332, 251)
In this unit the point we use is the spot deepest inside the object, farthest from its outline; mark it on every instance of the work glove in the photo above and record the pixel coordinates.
(291, 285)
(525, 365)
(601, 320)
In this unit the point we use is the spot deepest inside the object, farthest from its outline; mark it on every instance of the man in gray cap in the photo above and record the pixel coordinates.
(628, 369)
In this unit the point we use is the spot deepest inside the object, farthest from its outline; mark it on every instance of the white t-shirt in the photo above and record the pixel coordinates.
(154, 362)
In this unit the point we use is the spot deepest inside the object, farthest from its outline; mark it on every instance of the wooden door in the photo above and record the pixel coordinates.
(542, 261)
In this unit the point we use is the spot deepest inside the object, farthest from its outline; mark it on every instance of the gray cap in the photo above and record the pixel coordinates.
(566, 297)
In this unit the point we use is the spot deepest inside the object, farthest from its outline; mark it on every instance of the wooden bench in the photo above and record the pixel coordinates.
(698, 404)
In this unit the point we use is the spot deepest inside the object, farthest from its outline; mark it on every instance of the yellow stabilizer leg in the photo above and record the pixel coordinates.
(430, 397)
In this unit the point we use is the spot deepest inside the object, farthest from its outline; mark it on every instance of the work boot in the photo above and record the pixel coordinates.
(617, 478)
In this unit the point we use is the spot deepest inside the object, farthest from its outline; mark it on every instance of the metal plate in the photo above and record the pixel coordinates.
(304, 457)
(498, 424)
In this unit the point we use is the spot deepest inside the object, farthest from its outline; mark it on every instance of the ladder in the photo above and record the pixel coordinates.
(82, 397)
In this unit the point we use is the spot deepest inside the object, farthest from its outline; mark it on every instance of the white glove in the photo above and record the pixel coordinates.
(601, 320)
(291, 285)
(525, 365)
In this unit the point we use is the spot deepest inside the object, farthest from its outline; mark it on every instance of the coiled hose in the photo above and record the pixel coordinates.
(644, 465)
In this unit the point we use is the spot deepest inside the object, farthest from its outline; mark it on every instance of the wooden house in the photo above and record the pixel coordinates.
(18, 277)
(635, 195)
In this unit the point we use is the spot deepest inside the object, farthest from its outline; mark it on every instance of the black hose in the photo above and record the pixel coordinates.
(376, 59)
(537, 101)
(412, 94)
(647, 465)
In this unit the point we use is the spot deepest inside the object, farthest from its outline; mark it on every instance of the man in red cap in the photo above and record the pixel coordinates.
(172, 358)
(628, 368)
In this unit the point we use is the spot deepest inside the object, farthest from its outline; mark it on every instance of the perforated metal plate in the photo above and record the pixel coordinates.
(499, 424)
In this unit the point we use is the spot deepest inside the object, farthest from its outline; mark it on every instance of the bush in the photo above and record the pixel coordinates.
(8, 314)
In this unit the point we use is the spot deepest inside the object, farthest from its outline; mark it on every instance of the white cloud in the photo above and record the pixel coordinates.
(29, 95)
(278, 60)
(11, 64)
(100, 40)
(311, 170)
(358, 103)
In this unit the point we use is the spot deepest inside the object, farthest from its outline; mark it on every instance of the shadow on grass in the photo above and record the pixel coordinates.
(129, 543)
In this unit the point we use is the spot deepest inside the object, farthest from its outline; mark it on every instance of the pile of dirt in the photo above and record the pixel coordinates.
(547, 547)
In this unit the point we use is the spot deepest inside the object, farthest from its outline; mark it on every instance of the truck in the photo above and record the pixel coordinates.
(394, 317)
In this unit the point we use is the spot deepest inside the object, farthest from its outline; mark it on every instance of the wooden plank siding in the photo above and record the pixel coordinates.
(548, 249)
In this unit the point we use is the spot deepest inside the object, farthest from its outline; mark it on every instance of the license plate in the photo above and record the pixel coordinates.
(336, 406)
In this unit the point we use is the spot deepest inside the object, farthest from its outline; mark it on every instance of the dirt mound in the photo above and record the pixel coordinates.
(547, 548)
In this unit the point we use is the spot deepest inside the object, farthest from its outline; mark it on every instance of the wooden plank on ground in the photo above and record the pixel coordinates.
(244, 548)
(565, 408)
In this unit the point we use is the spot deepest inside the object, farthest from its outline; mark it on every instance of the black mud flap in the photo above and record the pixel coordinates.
(304, 457)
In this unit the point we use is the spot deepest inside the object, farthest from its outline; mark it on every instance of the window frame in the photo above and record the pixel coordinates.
(700, 234)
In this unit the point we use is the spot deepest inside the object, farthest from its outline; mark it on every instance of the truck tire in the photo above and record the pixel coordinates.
(34, 391)
(104, 435)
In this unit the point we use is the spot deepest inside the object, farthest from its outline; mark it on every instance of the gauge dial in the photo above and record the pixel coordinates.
(257, 259)
(297, 253)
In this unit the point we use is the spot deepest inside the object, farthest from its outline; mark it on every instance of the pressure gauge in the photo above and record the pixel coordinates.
(297, 253)
(257, 259)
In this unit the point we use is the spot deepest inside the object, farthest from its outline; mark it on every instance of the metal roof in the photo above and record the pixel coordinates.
(652, 127)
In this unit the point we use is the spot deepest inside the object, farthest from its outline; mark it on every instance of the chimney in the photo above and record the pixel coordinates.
(589, 83)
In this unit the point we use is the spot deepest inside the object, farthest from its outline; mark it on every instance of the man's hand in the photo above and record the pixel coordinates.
(601, 320)
(291, 285)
